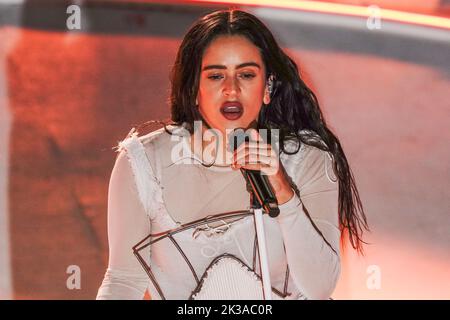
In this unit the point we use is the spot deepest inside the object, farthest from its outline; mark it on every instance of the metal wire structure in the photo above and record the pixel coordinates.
(169, 234)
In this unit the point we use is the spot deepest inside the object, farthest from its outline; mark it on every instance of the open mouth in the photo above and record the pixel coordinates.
(232, 110)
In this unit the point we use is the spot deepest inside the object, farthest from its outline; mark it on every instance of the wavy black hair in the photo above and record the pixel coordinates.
(293, 109)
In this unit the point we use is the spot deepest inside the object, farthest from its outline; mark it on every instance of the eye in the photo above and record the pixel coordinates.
(215, 76)
(247, 75)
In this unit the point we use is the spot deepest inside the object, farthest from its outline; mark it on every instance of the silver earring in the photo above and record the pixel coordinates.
(270, 85)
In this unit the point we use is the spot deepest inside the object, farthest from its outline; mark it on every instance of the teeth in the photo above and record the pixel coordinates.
(231, 109)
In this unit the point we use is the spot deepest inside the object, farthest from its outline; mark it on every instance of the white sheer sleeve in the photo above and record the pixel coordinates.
(128, 223)
(312, 245)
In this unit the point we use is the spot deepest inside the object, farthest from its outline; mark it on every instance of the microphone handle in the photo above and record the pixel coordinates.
(263, 191)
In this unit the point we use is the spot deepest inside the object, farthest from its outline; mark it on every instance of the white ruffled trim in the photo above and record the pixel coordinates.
(148, 185)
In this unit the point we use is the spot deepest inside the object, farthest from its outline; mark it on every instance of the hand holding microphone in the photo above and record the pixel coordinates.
(260, 165)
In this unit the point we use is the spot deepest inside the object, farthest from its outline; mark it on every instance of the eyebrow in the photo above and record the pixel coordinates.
(239, 66)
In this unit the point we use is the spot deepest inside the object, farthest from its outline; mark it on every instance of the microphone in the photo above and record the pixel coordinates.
(258, 183)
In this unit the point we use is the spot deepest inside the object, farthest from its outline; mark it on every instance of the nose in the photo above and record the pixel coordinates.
(231, 87)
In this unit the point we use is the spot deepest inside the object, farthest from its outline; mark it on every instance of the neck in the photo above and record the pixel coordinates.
(211, 146)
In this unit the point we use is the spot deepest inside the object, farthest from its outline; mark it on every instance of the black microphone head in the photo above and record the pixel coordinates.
(236, 138)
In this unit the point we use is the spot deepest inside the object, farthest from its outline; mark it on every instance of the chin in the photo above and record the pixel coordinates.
(235, 124)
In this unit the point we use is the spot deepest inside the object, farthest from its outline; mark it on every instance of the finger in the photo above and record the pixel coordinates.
(267, 165)
(245, 147)
(267, 151)
(255, 136)
(265, 169)
(253, 153)
(254, 158)
(252, 166)
(269, 170)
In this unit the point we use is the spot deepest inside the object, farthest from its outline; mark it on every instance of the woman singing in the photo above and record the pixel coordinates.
(230, 73)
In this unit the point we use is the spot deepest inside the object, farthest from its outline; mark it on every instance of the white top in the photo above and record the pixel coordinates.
(149, 193)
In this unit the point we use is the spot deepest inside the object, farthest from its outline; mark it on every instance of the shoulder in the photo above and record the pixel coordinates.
(157, 139)
(162, 138)
(156, 146)
(297, 151)
(309, 160)
(144, 164)
(161, 144)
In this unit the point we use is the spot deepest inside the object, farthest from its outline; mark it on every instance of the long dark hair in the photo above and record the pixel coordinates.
(294, 108)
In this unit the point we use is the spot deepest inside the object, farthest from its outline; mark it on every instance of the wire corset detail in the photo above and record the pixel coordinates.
(202, 225)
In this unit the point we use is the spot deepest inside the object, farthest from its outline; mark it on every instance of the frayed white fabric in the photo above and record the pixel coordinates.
(148, 185)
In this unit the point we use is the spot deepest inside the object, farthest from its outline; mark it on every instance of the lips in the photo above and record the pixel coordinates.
(232, 110)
